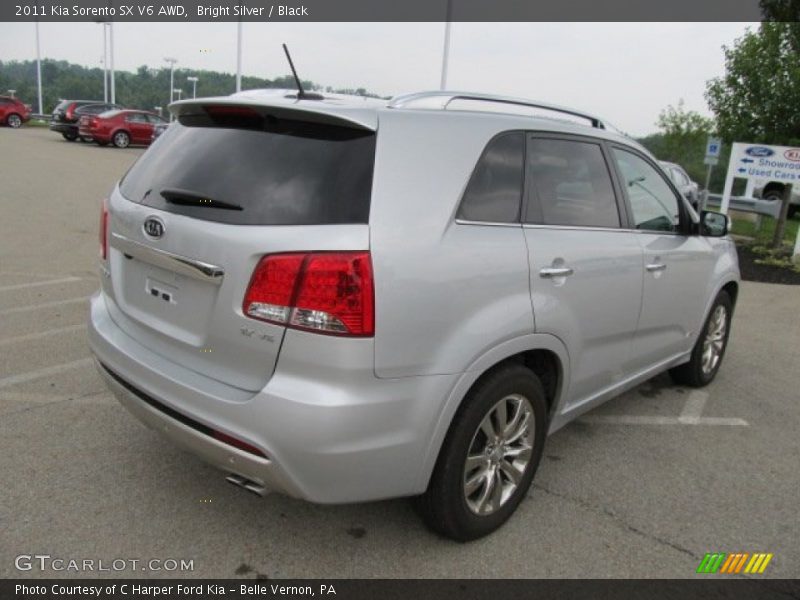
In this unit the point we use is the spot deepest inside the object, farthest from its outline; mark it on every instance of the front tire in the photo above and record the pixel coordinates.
(14, 121)
(122, 139)
(710, 346)
(489, 457)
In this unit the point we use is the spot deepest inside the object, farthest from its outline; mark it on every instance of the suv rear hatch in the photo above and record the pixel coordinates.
(192, 219)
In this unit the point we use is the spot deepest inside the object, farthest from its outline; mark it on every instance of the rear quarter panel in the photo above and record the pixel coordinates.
(446, 293)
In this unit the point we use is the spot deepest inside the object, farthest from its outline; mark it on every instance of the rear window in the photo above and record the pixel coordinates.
(283, 173)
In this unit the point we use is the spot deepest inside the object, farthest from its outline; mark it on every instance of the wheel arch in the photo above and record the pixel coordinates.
(773, 186)
(544, 354)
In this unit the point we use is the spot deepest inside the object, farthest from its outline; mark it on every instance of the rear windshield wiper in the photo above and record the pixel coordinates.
(189, 198)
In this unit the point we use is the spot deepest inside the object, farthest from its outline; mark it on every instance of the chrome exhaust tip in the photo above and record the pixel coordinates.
(247, 484)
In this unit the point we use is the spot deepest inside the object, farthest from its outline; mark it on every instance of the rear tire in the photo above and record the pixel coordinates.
(70, 137)
(792, 211)
(122, 139)
(468, 499)
(14, 121)
(710, 346)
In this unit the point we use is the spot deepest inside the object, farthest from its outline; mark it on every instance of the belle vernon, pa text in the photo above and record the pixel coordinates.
(155, 591)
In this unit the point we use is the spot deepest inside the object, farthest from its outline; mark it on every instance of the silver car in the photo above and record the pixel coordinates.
(347, 300)
(684, 183)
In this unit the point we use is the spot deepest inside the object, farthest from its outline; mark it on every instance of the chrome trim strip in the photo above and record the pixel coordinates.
(609, 229)
(167, 260)
(489, 223)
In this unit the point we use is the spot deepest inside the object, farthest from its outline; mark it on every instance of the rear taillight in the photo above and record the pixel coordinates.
(326, 292)
(70, 111)
(104, 230)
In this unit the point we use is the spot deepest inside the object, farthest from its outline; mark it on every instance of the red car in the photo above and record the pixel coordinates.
(120, 127)
(13, 112)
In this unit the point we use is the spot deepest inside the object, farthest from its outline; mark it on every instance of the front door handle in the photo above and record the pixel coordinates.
(550, 272)
(653, 267)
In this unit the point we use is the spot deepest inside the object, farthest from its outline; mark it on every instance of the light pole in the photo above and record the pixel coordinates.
(194, 81)
(446, 49)
(178, 91)
(239, 56)
(104, 60)
(38, 69)
(111, 54)
(171, 62)
(11, 92)
(158, 108)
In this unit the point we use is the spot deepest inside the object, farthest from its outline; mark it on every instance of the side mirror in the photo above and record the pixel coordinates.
(714, 224)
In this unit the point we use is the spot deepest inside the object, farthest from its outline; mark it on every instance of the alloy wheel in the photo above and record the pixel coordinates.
(499, 454)
(714, 342)
(121, 140)
(14, 121)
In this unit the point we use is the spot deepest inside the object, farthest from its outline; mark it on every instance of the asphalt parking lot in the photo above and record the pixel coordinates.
(642, 487)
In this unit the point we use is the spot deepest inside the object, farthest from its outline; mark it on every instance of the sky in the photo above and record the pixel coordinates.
(624, 72)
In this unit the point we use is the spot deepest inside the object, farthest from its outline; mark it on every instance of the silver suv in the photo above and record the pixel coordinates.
(347, 300)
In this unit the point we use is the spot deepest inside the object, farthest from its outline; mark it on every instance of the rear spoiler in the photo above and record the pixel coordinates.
(313, 111)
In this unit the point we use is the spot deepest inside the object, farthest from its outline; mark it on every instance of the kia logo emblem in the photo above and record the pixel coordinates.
(153, 227)
(793, 154)
(759, 151)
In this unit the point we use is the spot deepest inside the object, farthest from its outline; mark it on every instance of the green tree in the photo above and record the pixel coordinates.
(757, 98)
(683, 138)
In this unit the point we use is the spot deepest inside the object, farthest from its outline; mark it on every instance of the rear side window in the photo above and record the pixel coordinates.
(285, 172)
(570, 184)
(494, 192)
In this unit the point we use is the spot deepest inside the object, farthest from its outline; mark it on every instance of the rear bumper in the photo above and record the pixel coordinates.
(222, 456)
(332, 432)
(59, 127)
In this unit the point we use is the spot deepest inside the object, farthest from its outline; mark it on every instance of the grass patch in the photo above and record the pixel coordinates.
(37, 123)
(763, 235)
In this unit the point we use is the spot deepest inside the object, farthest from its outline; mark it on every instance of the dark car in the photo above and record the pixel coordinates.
(67, 114)
(13, 112)
(120, 127)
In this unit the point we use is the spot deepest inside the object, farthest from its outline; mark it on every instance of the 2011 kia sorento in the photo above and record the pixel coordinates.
(348, 300)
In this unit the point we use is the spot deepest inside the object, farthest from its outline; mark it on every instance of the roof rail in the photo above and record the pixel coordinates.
(445, 98)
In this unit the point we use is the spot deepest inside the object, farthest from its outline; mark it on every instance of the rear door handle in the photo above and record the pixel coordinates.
(550, 272)
(652, 267)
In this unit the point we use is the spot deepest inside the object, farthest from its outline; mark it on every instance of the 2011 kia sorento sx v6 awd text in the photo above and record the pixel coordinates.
(348, 300)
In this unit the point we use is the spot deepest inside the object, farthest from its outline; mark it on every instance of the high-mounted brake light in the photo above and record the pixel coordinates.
(326, 292)
(104, 229)
(224, 110)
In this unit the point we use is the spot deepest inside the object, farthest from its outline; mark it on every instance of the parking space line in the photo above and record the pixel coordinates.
(42, 334)
(39, 373)
(20, 309)
(690, 415)
(22, 286)
(693, 409)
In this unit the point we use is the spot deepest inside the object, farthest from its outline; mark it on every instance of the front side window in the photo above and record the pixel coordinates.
(654, 205)
(570, 184)
(494, 192)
